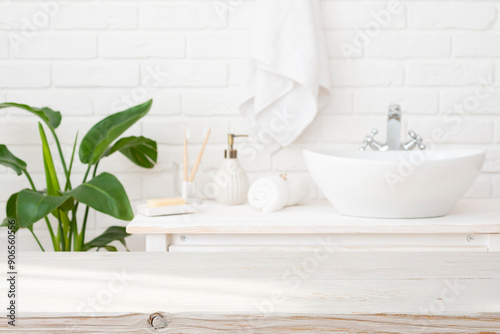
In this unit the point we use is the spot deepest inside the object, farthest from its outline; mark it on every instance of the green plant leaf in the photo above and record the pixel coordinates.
(67, 205)
(11, 211)
(106, 194)
(6, 222)
(53, 186)
(33, 206)
(113, 233)
(9, 160)
(50, 117)
(99, 138)
(68, 182)
(109, 248)
(140, 150)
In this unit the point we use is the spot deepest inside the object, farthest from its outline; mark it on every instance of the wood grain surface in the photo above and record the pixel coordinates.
(249, 324)
(311, 292)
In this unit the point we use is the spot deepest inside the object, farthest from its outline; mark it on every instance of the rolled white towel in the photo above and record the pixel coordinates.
(298, 191)
(273, 193)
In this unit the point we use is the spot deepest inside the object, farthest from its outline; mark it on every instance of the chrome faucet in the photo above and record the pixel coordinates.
(393, 135)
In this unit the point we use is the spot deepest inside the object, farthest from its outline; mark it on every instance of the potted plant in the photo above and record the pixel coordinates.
(58, 202)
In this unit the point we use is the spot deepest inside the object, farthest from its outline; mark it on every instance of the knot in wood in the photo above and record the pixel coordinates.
(157, 321)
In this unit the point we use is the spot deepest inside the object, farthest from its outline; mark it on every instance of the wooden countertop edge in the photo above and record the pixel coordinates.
(345, 229)
(250, 323)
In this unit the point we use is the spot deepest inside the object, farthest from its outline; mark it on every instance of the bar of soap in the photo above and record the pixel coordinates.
(158, 202)
(165, 210)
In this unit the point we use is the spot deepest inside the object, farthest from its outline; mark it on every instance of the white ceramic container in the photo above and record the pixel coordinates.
(231, 183)
(394, 184)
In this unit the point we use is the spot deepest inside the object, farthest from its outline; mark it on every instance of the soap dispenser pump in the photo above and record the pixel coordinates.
(231, 186)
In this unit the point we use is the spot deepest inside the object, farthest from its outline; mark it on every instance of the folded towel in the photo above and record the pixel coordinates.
(273, 193)
(287, 79)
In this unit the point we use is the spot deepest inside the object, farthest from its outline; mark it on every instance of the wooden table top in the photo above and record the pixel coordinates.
(452, 292)
(336, 283)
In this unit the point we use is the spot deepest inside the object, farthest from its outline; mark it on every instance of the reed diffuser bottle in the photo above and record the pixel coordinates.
(231, 180)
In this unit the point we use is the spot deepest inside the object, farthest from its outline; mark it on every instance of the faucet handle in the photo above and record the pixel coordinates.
(368, 140)
(417, 140)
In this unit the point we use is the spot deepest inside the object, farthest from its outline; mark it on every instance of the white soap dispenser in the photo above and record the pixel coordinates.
(231, 181)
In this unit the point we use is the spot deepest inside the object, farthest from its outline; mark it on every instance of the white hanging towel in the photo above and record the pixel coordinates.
(287, 78)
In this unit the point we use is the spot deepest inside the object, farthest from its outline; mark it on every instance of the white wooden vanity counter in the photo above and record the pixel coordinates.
(257, 292)
(472, 225)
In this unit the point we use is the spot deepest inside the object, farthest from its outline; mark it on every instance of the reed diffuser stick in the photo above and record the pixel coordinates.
(200, 155)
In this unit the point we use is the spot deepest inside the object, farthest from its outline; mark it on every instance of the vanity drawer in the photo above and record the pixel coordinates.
(316, 249)
(333, 243)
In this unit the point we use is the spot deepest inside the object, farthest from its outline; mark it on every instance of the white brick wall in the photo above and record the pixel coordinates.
(91, 58)
(366, 73)
(95, 17)
(23, 17)
(141, 46)
(219, 45)
(471, 15)
(201, 15)
(341, 15)
(20, 75)
(54, 46)
(449, 73)
(407, 45)
(184, 74)
(4, 47)
(477, 45)
(95, 74)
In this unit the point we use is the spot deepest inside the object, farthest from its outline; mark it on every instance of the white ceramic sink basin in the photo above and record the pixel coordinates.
(394, 184)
